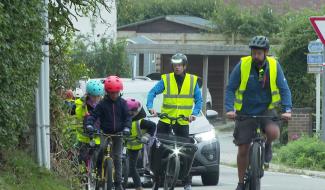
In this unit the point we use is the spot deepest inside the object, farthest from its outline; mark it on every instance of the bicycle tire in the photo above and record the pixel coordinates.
(172, 172)
(255, 167)
(109, 167)
(91, 175)
(125, 170)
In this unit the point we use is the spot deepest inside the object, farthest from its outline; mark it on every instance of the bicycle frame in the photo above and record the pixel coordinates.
(106, 138)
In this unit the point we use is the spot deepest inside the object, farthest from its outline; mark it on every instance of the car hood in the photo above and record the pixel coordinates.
(200, 125)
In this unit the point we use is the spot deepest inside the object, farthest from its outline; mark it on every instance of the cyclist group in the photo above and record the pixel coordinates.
(256, 86)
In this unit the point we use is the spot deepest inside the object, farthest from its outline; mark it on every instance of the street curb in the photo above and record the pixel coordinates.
(285, 169)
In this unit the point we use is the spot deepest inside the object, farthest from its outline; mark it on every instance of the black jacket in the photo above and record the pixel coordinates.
(113, 115)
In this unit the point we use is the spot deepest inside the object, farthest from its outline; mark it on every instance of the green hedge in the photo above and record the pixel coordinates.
(21, 37)
(303, 153)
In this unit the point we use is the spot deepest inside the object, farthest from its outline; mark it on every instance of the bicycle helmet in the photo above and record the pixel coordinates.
(95, 87)
(113, 84)
(179, 58)
(259, 42)
(69, 94)
(133, 104)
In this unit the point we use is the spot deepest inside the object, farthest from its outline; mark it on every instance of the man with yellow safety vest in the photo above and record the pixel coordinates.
(141, 132)
(182, 96)
(256, 86)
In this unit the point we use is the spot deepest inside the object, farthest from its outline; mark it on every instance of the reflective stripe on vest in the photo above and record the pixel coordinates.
(245, 69)
(136, 133)
(174, 103)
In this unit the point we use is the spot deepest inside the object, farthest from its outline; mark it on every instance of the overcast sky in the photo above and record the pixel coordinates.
(102, 29)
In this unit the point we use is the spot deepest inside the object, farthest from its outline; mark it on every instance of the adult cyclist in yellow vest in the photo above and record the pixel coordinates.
(182, 96)
(256, 86)
(141, 132)
(84, 105)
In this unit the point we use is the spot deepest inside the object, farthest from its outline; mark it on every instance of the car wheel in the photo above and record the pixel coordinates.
(211, 178)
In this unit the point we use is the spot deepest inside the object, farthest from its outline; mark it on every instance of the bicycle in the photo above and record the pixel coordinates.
(255, 169)
(171, 150)
(106, 172)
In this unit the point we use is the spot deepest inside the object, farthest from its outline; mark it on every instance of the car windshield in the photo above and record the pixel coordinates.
(142, 97)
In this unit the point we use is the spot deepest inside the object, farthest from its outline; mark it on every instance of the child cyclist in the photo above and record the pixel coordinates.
(114, 117)
(84, 105)
(141, 131)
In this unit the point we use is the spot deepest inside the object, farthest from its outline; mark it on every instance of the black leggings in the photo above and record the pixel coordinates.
(133, 160)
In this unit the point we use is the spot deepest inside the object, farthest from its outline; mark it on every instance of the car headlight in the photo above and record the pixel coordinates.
(206, 136)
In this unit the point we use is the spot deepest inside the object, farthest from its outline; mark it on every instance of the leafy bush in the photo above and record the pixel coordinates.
(303, 153)
(21, 38)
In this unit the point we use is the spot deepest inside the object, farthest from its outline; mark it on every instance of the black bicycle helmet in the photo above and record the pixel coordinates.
(259, 42)
(179, 58)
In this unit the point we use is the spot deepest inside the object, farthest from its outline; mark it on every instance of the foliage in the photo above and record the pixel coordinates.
(21, 55)
(103, 58)
(292, 56)
(233, 19)
(21, 172)
(133, 11)
(303, 153)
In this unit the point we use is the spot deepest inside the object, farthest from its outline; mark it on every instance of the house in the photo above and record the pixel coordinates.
(210, 56)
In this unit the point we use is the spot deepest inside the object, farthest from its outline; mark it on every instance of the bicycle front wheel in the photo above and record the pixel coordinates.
(109, 167)
(255, 166)
(172, 172)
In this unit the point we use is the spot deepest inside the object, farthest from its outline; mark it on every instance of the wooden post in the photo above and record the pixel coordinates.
(225, 83)
(205, 83)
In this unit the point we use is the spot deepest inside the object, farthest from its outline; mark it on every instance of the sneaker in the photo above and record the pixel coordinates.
(268, 152)
(240, 186)
(155, 186)
(187, 187)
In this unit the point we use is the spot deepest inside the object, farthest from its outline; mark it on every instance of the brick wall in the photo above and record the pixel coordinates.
(301, 123)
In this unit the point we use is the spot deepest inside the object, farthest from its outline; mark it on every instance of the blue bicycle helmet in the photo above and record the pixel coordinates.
(95, 87)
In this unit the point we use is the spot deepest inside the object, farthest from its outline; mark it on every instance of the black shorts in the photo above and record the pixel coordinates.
(245, 130)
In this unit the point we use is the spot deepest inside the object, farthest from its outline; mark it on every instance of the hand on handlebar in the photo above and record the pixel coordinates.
(286, 116)
(231, 115)
(153, 112)
(192, 118)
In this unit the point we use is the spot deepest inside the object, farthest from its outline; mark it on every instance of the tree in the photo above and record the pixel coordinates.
(133, 11)
(292, 55)
(233, 20)
(103, 58)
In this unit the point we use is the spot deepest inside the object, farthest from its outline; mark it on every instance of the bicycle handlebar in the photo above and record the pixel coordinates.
(165, 115)
(244, 117)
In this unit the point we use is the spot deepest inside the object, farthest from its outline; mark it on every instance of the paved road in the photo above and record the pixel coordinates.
(271, 181)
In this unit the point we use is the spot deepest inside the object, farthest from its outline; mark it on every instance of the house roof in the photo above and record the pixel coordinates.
(141, 40)
(192, 21)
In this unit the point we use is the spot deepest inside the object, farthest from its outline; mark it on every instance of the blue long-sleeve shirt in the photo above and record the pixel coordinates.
(160, 87)
(256, 99)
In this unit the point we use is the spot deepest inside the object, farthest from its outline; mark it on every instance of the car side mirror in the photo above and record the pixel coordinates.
(211, 114)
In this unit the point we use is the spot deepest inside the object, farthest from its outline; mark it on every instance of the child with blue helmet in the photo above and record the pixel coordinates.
(84, 105)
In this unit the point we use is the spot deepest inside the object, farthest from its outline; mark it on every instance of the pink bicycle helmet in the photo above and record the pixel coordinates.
(133, 104)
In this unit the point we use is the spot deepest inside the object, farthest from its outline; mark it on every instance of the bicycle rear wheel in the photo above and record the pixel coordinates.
(255, 166)
(91, 174)
(172, 172)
